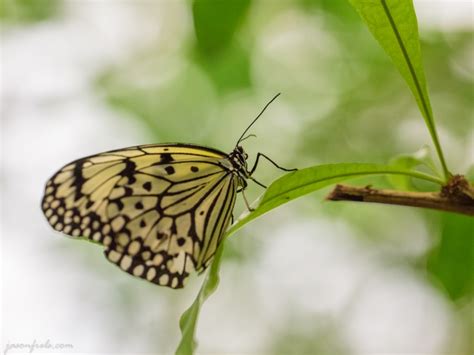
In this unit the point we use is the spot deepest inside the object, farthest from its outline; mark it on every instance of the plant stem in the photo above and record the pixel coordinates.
(433, 200)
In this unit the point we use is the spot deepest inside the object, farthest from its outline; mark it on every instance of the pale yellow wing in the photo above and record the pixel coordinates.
(159, 210)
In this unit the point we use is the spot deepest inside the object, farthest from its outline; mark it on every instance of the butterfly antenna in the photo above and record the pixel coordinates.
(256, 118)
(246, 137)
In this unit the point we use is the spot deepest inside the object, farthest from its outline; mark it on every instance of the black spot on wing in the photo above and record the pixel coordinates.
(161, 235)
(129, 171)
(119, 204)
(78, 179)
(166, 158)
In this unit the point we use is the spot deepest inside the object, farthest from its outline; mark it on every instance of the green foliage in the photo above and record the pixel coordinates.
(393, 24)
(283, 190)
(452, 261)
(188, 320)
(223, 58)
(27, 10)
(422, 157)
(181, 95)
(305, 181)
(216, 21)
(361, 124)
(339, 8)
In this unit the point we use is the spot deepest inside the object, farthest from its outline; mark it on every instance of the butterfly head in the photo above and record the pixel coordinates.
(241, 153)
(238, 158)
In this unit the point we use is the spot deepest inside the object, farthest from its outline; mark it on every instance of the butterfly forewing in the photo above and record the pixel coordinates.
(159, 210)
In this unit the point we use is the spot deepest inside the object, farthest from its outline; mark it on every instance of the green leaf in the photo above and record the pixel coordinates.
(451, 260)
(394, 25)
(421, 157)
(305, 181)
(216, 21)
(188, 320)
(282, 190)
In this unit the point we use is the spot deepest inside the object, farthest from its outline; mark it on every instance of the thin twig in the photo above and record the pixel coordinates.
(456, 197)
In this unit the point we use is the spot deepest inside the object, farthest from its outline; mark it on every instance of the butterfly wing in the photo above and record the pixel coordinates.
(159, 210)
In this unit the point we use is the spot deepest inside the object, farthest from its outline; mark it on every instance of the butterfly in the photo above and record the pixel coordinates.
(159, 210)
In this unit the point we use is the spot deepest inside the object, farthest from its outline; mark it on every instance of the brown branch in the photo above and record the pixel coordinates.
(457, 196)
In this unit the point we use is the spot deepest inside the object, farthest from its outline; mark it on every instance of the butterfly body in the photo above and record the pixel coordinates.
(159, 210)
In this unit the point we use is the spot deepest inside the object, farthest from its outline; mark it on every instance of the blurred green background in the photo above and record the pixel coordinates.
(311, 278)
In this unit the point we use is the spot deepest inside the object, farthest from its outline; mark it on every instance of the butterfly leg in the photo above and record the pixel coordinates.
(247, 203)
(257, 182)
(271, 161)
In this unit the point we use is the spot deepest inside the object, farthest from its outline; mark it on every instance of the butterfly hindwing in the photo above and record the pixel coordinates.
(159, 210)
